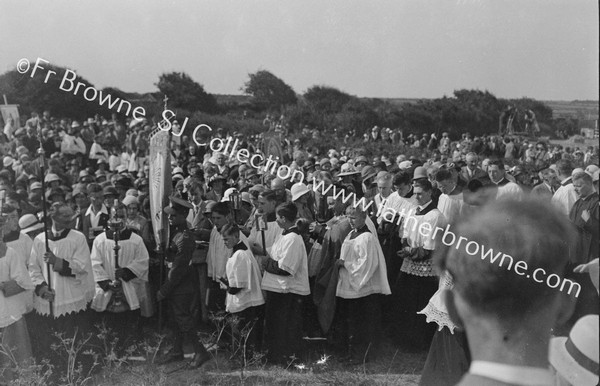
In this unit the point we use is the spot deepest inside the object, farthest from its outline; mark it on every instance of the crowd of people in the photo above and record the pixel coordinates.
(291, 259)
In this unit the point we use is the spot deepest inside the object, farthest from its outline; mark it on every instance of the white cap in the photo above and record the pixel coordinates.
(298, 190)
(228, 193)
(51, 177)
(128, 200)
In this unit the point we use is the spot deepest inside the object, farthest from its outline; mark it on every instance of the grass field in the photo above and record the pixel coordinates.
(391, 368)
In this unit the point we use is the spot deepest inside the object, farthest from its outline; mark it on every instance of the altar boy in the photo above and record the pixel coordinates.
(244, 295)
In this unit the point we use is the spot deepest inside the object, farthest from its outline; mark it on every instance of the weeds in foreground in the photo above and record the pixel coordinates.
(237, 347)
(16, 373)
(76, 372)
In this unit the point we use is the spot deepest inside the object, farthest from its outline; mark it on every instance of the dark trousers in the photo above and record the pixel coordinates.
(46, 332)
(122, 325)
(216, 297)
(283, 326)
(390, 244)
(413, 293)
(182, 320)
(250, 324)
(360, 323)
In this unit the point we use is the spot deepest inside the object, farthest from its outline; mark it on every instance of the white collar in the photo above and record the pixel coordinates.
(517, 375)
(421, 207)
(91, 212)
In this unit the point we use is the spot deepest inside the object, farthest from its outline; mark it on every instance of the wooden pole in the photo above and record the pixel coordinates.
(44, 204)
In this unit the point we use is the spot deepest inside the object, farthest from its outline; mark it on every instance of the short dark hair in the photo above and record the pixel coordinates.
(287, 210)
(423, 184)
(273, 195)
(564, 167)
(221, 208)
(443, 175)
(230, 229)
(402, 178)
(497, 162)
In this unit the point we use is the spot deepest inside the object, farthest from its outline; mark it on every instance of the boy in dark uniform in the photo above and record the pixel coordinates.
(181, 284)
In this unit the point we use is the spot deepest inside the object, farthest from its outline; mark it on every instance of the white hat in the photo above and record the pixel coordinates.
(405, 165)
(298, 190)
(128, 200)
(576, 358)
(591, 169)
(247, 197)
(51, 177)
(29, 222)
(228, 193)
(8, 161)
(347, 170)
(576, 171)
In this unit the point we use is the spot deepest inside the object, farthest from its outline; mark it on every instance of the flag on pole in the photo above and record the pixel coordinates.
(160, 184)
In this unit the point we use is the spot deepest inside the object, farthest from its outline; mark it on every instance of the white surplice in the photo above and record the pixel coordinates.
(364, 272)
(73, 293)
(218, 253)
(132, 255)
(13, 307)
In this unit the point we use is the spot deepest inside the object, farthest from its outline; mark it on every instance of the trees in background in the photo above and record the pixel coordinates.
(183, 92)
(33, 94)
(268, 91)
(323, 107)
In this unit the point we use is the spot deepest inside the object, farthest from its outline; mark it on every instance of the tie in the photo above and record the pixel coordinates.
(418, 212)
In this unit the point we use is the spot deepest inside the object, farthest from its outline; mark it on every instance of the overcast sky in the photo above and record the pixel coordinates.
(544, 49)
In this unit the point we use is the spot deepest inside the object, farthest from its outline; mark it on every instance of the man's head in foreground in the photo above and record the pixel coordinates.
(507, 314)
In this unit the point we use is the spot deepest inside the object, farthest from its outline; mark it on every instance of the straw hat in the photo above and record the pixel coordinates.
(576, 358)
(29, 222)
(347, 170)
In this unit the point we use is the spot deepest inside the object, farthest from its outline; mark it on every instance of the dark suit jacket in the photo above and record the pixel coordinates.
(86, 223)
(200, 230)
(478, 175)
(182, 277)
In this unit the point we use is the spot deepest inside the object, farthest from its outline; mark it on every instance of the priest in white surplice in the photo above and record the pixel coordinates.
(132, 272)
(362, 280)
(71, 278)
(120, 290)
